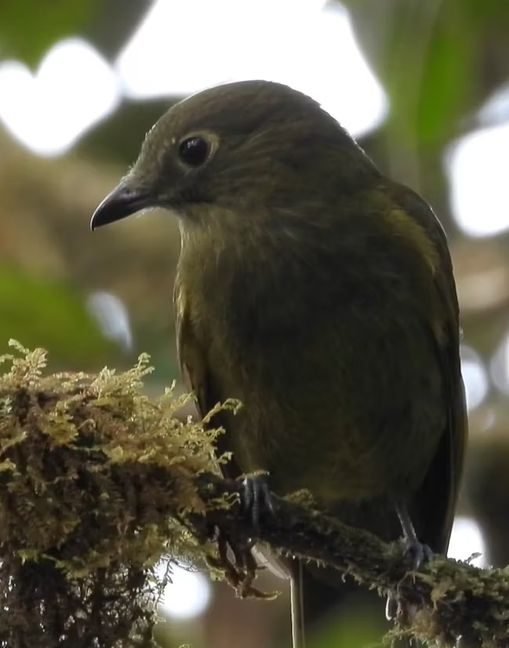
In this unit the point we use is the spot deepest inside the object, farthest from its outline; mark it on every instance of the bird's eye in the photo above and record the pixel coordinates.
(194, 151)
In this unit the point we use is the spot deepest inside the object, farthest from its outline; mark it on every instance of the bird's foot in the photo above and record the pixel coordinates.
(401, 614)
(256, 498)
(235, 558)
(391, 607)
(416, 554)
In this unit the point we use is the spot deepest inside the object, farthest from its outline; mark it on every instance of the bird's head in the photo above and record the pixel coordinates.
(239, 148)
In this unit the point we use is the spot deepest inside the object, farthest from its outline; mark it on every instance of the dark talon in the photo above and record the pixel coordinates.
(256, 498)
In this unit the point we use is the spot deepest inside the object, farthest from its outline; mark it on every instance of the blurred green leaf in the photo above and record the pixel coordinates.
(425, 55)
(29, 27)
(483, 10)
(353, 629)
(50, 315)
(446, 77)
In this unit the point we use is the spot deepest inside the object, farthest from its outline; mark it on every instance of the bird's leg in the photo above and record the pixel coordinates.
(414, 552)
(257, 500)
(236, 559)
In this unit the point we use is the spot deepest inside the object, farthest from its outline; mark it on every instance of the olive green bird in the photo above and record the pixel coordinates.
(320, 294)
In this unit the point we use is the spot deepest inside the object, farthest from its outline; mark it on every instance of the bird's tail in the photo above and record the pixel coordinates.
(297, 606)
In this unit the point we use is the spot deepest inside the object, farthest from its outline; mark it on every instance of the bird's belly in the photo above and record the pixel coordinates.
(343, 396)
(342, 428)
(338, 463)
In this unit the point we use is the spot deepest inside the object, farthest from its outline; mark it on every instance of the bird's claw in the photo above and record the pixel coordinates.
(416, 554)
(391, 607)
(235, 557)
(236, 561)
(256, 498)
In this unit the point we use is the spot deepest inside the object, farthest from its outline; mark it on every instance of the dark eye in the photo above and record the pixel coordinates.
(194, 151)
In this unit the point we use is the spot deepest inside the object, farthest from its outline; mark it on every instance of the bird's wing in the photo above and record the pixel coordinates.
(198, 378)
(197, 374)
(432, 507)
(435, 502)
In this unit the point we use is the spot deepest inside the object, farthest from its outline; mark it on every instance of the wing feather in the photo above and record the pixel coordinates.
(198, 375)
(435, 502)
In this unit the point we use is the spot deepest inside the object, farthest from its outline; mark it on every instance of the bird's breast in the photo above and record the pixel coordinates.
(317, 349)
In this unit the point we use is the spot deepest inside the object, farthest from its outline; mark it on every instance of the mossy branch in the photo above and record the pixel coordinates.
(97, 484)
(449, 599)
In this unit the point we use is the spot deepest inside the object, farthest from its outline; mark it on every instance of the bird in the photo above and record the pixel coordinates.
(320, 293)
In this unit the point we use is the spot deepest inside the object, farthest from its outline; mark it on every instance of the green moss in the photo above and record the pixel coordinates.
(93, 476)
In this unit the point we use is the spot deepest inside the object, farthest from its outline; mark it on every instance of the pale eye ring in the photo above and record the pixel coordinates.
(194, 151)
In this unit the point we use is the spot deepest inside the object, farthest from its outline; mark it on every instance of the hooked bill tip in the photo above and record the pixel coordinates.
(120, 203)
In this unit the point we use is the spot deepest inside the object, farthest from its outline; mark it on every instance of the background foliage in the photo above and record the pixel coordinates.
(438, 61)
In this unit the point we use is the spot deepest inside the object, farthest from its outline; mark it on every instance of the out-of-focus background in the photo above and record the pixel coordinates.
(424, 86)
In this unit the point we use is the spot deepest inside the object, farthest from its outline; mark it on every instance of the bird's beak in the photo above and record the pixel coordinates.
(120, 203)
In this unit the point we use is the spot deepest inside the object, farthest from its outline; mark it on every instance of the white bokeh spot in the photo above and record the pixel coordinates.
(467, 539)
(187, 595)
(475, 377)
(477, 168)
(73, 89)
(500, 366)
(308, 45)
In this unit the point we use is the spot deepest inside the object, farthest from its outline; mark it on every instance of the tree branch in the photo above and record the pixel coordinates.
(451, 599)
(97, 483)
